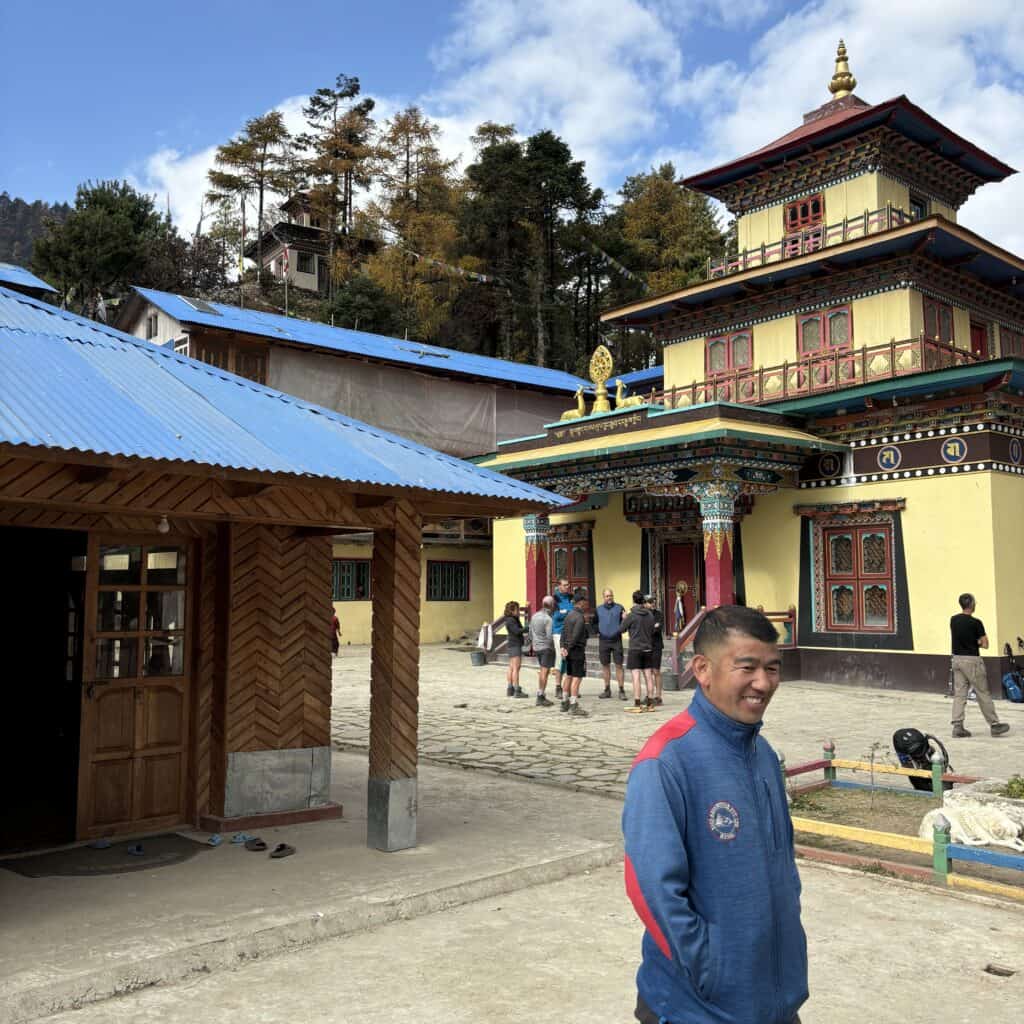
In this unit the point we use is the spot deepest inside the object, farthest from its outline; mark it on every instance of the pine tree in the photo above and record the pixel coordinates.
(339, 148)
(251, 164)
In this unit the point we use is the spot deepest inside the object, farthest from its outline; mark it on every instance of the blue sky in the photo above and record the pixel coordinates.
(147, 91)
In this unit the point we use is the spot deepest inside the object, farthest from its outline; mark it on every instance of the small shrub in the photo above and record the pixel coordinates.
(1014, 789)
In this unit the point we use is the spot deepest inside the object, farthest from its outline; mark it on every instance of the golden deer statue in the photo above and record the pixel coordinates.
(579, 411)
(621, 402)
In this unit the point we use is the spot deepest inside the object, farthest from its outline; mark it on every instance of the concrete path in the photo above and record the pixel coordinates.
(467, 720)
(566, 953)
(67, 941)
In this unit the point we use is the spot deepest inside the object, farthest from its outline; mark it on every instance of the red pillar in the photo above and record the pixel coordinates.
(536, 528)
(717, 511)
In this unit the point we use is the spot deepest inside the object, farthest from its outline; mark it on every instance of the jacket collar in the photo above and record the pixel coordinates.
(736, 734)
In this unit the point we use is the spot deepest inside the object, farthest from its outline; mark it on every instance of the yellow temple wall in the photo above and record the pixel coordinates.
(438, 619)
(617, 551)
(508, 560)
(1008, 612)
(955, 539)
(771, 551)
(846, 199)
(876, 319)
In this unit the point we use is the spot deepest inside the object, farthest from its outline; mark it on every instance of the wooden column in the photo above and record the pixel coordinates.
(717, 512)
(394, 682)
(537, 584)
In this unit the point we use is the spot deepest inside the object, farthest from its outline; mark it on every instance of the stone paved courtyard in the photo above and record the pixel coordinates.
(466, 720)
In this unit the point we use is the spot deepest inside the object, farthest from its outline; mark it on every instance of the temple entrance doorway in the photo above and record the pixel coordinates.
(681, 565)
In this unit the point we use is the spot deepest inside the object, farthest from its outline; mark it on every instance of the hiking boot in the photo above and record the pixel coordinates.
(558, 693)
(577, 712)
(622, 695)
(1000, 728)
(565, 704)
(519, 693)
(543, 702)
(657, 702)
(649, 704)
(604, 695)
(959, 732)
(510, 691)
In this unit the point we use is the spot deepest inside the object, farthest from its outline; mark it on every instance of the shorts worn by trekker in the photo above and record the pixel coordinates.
(711, 872)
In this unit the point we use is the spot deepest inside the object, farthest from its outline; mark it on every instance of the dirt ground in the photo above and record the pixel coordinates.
(884, 811)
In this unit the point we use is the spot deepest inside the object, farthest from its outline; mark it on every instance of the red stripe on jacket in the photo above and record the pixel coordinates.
(636, 897)
(671, 730)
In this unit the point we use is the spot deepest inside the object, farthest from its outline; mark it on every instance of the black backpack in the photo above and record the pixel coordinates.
(914, 750)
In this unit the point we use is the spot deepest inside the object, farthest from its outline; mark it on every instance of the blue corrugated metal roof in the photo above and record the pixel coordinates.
(19, 277)
(74, 384)
(359, 343)
(638, 378)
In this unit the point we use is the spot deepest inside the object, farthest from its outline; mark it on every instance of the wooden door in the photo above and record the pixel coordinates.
(979, 340)
(680, 564)
(570, 559)
(134, 760)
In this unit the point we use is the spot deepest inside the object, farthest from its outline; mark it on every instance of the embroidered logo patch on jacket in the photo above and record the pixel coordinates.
(724, 820)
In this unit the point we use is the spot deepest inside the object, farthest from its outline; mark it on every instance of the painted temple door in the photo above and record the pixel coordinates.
(979, 340)
(680, 564)
(134, 754)
(571, 558)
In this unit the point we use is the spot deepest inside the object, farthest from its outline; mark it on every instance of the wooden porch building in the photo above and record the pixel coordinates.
(166, 532)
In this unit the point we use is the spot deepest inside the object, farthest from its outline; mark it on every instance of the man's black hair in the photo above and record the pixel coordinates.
(715, 626)
(638, 597)
(966, 601)
(579, 594)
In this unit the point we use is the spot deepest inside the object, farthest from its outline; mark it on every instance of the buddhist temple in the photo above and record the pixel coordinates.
(837, 437)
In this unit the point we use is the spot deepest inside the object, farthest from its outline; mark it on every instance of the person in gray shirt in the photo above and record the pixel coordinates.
(544, 647)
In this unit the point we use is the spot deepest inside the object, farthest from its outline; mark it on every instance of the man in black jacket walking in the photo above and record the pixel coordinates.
(640, 625)
(574, 650)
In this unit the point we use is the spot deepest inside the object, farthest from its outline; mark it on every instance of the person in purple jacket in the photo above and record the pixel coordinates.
(710, 866)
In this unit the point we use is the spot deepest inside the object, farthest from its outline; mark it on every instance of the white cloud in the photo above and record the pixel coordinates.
(615, 78)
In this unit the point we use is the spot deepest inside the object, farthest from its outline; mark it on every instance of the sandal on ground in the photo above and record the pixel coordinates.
(241, 838)
(255, 844)
(282, 850)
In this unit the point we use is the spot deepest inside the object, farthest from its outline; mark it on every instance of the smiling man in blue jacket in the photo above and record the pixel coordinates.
(710, 866)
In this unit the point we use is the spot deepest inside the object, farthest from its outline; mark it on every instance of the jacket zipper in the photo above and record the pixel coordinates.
(776, 949)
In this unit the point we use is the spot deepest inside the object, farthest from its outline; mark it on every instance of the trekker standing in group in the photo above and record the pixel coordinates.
(657, 647)
(968, 636)
(639, 623)
(563, 605)
(544, 647)
(609, 643)
(514, 631)
(710, 865)
(574, 651)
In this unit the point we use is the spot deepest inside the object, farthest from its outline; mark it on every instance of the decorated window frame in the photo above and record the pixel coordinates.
(1011, 342)
(824, 330)
(737, 353)
(857, 576)
(939, 321)
(804, 213)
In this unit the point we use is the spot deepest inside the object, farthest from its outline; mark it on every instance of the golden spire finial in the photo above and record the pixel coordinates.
(843, 83)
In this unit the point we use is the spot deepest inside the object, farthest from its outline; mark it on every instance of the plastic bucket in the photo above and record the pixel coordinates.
(478, 658)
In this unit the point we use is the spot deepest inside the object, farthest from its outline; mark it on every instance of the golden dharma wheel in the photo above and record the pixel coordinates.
(600, 365)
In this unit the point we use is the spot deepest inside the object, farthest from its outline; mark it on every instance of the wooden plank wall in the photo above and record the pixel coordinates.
(278, 693)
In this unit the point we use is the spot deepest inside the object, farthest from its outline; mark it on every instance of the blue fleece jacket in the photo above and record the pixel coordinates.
(609, 620)
(711, 872)
(563, 605)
